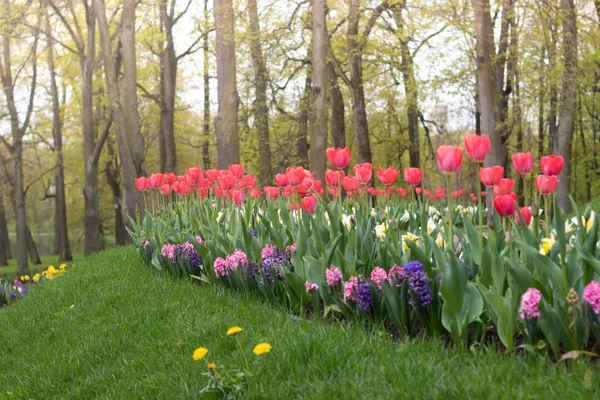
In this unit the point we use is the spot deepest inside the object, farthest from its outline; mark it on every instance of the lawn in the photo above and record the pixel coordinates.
(113, 327)
(9, 270)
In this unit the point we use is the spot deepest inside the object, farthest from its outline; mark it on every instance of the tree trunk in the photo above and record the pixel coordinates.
(305, 112)
(568, 97)
(261, 110)
(60, 218)
(4, 239)
(168, 85)
(131, 119)
(338, 111)
(552, 113)
(34, 255)
(318, 126)
(541, 97)
(228, 146)
(112, 172)
(359, 111)
(206, 121)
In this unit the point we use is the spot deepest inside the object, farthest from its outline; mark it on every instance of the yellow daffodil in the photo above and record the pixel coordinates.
(262, 348)
(63, 266)
(199, 353)
(25, 278)
(36, 277)
(381, 230)
(546, 245)
(409, 236)
(233, 330)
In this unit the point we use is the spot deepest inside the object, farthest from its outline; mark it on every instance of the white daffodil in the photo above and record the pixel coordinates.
(409, 236)
(405, 217)
(347, 221)
(546, 245)
(381, 230)
(373, 212)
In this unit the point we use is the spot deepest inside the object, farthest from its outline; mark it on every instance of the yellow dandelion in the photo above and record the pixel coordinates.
(262, 348)
(63, 266)
(233, 330)
(36, 277)
(199, 353)
(212, 367)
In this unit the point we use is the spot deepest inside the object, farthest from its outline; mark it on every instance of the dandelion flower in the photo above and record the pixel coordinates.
(262, 348)
(233, 330)
(212, 367)
(199, 353)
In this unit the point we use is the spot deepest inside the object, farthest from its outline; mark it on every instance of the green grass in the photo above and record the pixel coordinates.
(10, 269)
(110, 327)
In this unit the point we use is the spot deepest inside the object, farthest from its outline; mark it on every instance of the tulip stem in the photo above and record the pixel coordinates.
(547, 211)
(339, 185)
(480, 214)
(450, 236)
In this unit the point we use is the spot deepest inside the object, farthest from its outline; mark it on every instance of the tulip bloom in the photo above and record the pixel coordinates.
(212, 174)
(491, 176)
(526, 213)
(505, 205)
(142, 183)
(181, 187)
(237, 196)
(363, 172)
(309, 203)
(338, 157)
(237, 170)
(388, 176)
(331, 177)
(551, 165)
(351, 183)
(401, 192)
(546, 184)
(288, 191)
(193, 175)
(523, 163)
(449, 159)
(413, 176)
(477, 147)
(165, 190)
(273, 192)
(156, 181)
(227, 182)
(281, 180)
(247, 181)
(294, 175)
(203, 191)
(255, 193)
(317, 187)
(418, 191)
(505, 186)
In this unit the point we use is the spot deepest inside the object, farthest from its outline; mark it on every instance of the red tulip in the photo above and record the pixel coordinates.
(338, 157)
(309, 203)
(551, 165)
(203, 191)
(227, 182)
(401, 192)
(440, 193)
(390, 190)
(491, 176)
(294, 206)
(288, 191)
(351, 183)
(237, 196)
(212, 174)
(523, 163)
(505, 205)
(165, 190)
(294, 175)
(449, 159)
(413, 176)
(205, 183)
(334, 191)
(156, 181)
(220, 192)
(477, 147)
(193, 175)
(418, 191)
(169, 178)
(255, 193)
(546, 184)
(142, 183)
(505, 186)
(388, 176)
(317, 187)
(363, 172)
(247, 181)
(331, 177)
(237, 170)
(281, 180)
(181, 187)
(526, 213)
(273, 192)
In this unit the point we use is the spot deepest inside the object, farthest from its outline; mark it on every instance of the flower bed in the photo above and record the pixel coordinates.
(423, 263)
(18, 288)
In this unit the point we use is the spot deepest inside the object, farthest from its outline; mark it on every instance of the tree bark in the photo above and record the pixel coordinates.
(563, 145)
(112, 173)
(541, 97)
(336, 100)
(168, 85)
(34, 255)
(553, 88)
(206, 121)
(4, 238)
(318, 126)
(60, 218)
(228, 147)
(305, 111)
(261, 110)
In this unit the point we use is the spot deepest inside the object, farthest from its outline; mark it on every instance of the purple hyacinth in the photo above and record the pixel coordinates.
(417, 281)
(147, 246)
(363, 295)
(252, 232)
(189, 253)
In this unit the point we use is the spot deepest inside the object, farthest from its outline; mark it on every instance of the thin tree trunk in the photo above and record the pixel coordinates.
(318, 126)
(541, 97)
(206, 121)
(261, 110)
(62, 238)
(338, 110)
(228, 147)
(4, 239)
(552, 112)
(168, 85)
(112, 173)
(305, 111)
(34, 255)
(568, 98)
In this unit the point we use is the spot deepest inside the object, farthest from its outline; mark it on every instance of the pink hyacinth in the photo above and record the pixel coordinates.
(293, 248)
(233, 261)
(310, 287)
(529, 304)
(591, 294)
(378, 275)
(349, 289)
(220, 267)
(169, 251)
(267, 251)
(333, 275)
(395, 272)
(199, 239)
